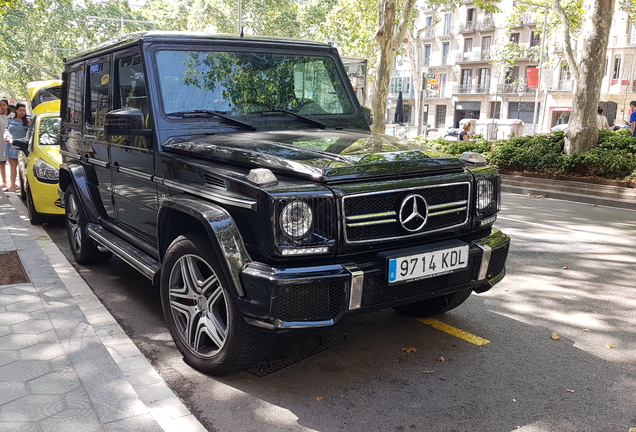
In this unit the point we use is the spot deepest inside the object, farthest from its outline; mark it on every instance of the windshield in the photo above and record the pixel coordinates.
(238, 83)
(50, 131)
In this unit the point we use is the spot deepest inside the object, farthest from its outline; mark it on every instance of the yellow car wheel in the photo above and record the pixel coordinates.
(35, 217)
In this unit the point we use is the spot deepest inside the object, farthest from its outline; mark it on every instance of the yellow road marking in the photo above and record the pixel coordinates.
(453, 331)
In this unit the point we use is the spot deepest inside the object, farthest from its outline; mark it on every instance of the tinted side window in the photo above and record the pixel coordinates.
(98, 81)
(74, 108)
(131, 83)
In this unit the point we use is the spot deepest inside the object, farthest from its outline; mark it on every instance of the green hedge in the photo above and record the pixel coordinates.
(612, 157)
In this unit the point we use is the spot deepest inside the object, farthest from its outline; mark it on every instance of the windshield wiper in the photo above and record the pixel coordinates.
(320, 124)
(210, 113)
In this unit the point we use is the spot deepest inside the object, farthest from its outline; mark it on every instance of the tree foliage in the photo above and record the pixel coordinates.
(35, 37)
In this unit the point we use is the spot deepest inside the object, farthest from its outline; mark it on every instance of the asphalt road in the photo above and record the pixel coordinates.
(551, 348)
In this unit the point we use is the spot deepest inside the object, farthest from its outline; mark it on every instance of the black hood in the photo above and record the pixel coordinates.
(317, 155)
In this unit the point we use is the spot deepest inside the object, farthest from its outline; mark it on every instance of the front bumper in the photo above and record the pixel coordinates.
(307, 297)
(45, 197)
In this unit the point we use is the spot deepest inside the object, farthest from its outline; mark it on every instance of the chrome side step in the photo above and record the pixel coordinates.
(141, 261)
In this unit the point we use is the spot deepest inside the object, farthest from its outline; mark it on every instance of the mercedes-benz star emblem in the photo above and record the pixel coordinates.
(413, 212)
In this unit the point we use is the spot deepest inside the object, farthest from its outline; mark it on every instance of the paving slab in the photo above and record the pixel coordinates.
(65, 363)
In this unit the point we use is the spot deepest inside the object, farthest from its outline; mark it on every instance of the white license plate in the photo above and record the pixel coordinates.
(428, 264)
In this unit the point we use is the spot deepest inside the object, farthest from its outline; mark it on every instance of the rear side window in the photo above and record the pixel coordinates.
(75, 82)
(131, 83)
(98, 86)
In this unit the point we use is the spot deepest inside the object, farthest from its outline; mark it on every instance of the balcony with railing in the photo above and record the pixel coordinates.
(486, 24)
(428, 34)
(446, 33)
(516, 88)
(468, 27)
(472, 57)
(527, 18)
(470, 89)
(566, 86)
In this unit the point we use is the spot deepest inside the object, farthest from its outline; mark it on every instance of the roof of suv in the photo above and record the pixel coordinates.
(197, 38)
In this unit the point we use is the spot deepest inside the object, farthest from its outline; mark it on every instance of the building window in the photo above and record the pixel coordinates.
(427, 54)
(465, 77)
(440, 116)
(628, 73)
(429, 21)
(448, 23)
(617, 68)
(400, 84)
(631, 32)
(535, 39)
(484, 77)
(443, 80)
(495, 110)
(512, 75)
(514, 38)
(445, 52)
(470, 16)
(468, 45)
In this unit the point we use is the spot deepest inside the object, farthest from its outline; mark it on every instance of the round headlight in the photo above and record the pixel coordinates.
(296, 219)
(485, 194)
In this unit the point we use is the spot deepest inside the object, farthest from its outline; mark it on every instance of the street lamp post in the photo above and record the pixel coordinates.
(520, 93)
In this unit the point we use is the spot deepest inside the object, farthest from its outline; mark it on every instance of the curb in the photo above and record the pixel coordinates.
(144, 387)
(571, 190)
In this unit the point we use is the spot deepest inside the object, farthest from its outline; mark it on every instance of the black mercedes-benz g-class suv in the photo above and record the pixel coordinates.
(240, 175)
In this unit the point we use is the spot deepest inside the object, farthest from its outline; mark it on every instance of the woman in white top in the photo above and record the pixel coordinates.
(5, 114)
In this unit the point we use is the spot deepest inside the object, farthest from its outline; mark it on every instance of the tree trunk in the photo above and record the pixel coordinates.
(582, 132)
(416, 71)
(389, 37)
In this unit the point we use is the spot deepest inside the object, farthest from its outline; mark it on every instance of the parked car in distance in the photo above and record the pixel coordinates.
(38, 166)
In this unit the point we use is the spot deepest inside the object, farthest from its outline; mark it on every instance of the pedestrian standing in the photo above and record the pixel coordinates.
(632, 117)
(17, 128)
(601, 120)
(465, 134)
(5, 114)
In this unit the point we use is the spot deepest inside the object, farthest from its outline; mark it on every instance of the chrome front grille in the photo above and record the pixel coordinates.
(375, 216)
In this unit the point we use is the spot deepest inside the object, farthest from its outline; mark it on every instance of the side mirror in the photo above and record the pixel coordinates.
(22, 145)
(126, 121)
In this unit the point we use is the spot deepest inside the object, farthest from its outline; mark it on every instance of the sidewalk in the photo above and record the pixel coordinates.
(578, 191)
(65, 364)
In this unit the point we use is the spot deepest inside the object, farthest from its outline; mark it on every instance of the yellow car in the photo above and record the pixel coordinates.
(38, 166)
(44, 95)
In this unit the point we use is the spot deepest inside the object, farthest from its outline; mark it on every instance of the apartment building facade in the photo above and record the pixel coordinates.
(463, 73)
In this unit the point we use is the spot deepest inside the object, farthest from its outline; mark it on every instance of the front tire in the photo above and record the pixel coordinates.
(201, 313)
(84, 249)
(34, 217)
(434, 306)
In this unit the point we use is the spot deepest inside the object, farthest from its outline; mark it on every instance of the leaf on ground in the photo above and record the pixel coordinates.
(409, 350)
(427, 372)
(565, 267)
(441, 359)
(586, 330)
(555, 336)
(569, 390)
(537, 196)
(609, 346)
(319, 398)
